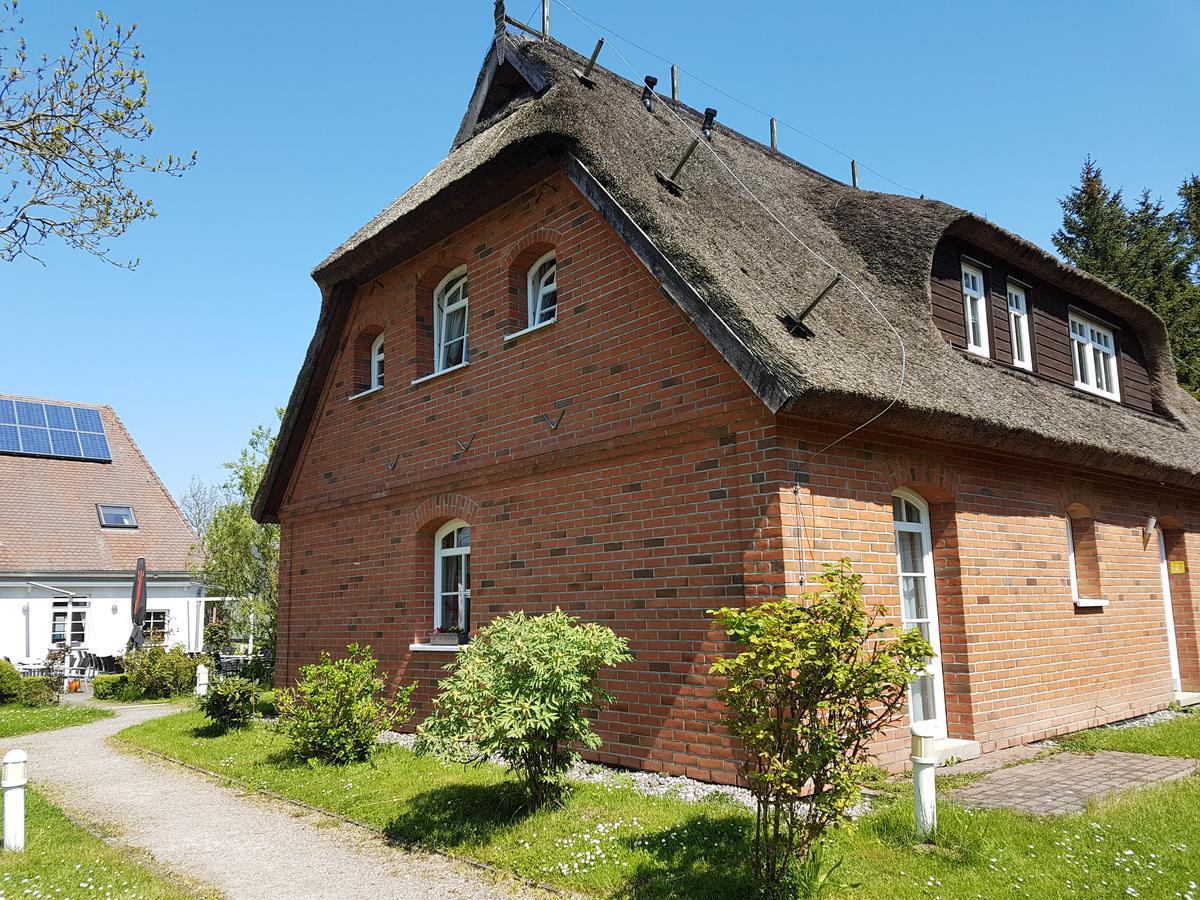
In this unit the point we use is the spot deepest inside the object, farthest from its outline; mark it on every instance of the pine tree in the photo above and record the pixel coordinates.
(1149, 252)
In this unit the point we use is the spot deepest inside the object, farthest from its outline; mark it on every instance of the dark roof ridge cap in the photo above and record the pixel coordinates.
(681, 106)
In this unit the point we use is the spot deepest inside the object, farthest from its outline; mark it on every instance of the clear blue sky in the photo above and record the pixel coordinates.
(310, 117)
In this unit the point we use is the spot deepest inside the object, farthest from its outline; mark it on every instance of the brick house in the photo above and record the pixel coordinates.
(604, 392)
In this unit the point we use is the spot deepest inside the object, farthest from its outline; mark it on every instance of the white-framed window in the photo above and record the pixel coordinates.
(975, 310)
(543, 290)
(452, 576)
(450, 321)
(918, 603)
(156, 624)
(1018, 327)
(1094, 356)
(68, 622)
(377, 363)
(112, 516)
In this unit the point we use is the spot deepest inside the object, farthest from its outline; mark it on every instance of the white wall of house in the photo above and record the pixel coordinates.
(27, 610)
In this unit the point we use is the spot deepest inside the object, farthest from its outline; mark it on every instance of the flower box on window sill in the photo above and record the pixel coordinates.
(447, 638)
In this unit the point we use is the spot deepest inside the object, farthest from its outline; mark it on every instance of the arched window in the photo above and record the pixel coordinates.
(918, 603)
(450, 321)
(452, 577)
(543, 290)
(377, 362)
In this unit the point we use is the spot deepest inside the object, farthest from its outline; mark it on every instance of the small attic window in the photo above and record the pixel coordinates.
(116, 516)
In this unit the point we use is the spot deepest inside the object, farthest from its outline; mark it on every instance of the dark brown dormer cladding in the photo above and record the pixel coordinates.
(1049, 309)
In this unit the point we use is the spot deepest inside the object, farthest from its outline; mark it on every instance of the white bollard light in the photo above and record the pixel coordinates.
(924, 762)
(201, 680)
(12, 780)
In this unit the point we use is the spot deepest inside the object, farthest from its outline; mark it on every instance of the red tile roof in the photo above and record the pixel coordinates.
(48, 520)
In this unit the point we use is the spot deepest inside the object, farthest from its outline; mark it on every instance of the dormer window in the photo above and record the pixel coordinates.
(1018, 326)
(116, 516)
(543, 290)
(377, 363)
(1094, 356)
(975, 310)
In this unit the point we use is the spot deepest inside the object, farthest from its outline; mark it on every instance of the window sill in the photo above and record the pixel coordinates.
(1088, 389)
(436, 648)
(432, 375)
(1086, 603)
(365, 393)
(531, 328)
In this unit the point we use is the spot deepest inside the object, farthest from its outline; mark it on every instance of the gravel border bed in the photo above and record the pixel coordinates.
(652, 784)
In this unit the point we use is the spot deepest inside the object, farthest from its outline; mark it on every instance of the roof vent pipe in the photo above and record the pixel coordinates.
(706, 127)
(648, 93)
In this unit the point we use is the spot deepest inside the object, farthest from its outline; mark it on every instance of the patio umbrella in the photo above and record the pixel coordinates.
(137, 604)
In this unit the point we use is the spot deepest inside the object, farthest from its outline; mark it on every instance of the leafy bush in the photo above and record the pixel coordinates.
(522, 689)
(230, 702)
(336, 710)
(812, 686)
(154, 672)
(110, 687)
(40, 690)
(216, 637)
(10, 682)
(259, 670)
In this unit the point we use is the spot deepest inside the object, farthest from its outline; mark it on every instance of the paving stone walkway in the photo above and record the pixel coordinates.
(240, 843)
(1064, 783)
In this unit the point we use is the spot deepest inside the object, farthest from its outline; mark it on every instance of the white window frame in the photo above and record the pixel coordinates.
(1018, 326)
(440, 553)
(377, 373)
(934, 669)
(536, 292)
(1087, 340)
(442, 311)
(976, 305)
(165, 615)
(71, 610)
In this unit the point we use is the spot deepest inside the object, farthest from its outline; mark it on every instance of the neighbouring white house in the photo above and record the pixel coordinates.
(79, 504)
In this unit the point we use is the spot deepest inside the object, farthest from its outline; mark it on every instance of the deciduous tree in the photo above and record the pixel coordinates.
(69, 126)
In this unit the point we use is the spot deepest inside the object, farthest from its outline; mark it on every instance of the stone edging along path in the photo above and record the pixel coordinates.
(242, 843)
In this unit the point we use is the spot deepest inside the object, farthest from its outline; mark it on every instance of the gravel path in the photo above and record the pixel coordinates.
(242, 844)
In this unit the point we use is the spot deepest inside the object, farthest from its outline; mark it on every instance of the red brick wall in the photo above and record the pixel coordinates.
(1021, 661)
(647, 506)
(666, 490)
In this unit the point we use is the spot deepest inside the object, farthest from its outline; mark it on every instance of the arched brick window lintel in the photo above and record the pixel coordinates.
(929, 476)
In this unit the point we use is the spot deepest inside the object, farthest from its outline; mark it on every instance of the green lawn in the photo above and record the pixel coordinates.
(16, 720)
(614, 842)
(1178, 737)
(62, 860)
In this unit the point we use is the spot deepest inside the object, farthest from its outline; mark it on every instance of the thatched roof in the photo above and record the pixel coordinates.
(745, 271)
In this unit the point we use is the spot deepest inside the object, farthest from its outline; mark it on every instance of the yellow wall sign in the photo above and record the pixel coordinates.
(1177, 567)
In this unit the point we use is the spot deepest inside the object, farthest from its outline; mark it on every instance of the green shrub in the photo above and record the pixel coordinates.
(110, 687)
(10, 682)
(154, 672)
(266, 704)
(812, 686)
(336, 711)
(216, 637)
(40, 690)
(523, 689)
(259, 670)
(230, 702)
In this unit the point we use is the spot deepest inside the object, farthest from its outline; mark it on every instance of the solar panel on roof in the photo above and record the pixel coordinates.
(29, 428)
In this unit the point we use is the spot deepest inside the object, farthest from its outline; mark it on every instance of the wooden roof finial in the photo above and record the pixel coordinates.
(500, 17)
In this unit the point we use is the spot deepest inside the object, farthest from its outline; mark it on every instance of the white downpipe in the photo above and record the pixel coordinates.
(1172, 647)
(14, 775)
(924, 762)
